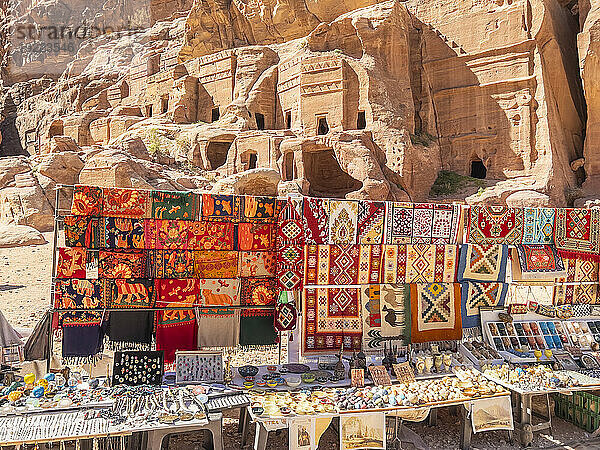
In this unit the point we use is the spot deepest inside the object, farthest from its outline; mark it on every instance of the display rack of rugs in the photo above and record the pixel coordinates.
(367, 272)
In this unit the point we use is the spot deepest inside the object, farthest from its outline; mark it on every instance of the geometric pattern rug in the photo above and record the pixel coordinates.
(435, 312)
(495, 225)
(331, 319)
(483, 263)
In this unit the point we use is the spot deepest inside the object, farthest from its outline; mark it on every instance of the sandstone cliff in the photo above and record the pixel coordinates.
(353, 98)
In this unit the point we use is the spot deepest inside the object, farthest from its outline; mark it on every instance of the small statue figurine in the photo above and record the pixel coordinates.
(339, 371)
(228, 375)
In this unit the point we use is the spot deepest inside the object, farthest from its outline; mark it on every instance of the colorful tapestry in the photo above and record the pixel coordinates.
(258, 264)
(221, 208)
(369, 264)
(446, 225)
(178, 293)
(257, 328)
(82, 231)
(71, 262)
(578, 270)
(224, 292)
(175, 205)
(210, 264)
(170, 264)
(210, 235)
(483, 263)
(475, 295)
(289, 224)
(87, 201)
(121, 264)
(290, 267)
(370, 222)
(316, 263)
(166, 234)
(422, 223)
(435, 312)
(577, 233)
(538, 227)
(398, 223)
(123, 233)
(536, 263)
(80, 294)
(256, 236)
(394, 264)
(385, 316)
(331, 317)
(495, 225)
(219, 326)
(259, 209)
(343, 217)
(427, 263)
(316, 220)
(132, 293)
(128, 203)
(258, 291)
(343, 264)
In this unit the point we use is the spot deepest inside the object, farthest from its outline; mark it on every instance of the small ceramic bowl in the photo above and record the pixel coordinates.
(248, 384)
(272, 383)
(258, 410)
(293, 381)
(308, 377)
(247, 371)
(261, 384)
(271, 368)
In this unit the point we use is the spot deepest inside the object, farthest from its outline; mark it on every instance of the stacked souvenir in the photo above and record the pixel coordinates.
(532, 378)
(467, 384)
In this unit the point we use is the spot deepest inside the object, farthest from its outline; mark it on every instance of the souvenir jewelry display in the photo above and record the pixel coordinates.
(46, 427)
(198, 366)
(138, 368)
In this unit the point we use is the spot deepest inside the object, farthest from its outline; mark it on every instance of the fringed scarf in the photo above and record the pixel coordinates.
(131, 330)
(82, 344)
(219, 326)
(176, 329)
(257, 329)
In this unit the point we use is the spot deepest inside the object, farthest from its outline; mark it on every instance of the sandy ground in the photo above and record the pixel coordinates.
(25, 275)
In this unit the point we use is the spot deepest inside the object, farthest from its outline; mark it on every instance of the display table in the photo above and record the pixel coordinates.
(88, 422)
(524, 399)
(266, 424)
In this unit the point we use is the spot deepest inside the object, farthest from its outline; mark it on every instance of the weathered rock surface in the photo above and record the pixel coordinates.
(19, 235)
(358, 99)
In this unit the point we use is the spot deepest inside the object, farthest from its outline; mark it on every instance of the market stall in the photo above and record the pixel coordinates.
(375, 298)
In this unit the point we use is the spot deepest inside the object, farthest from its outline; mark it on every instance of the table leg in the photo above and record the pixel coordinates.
(155, 439)
(467, 430)
(432, 419)
(215, 426)
(243, 412)
(526, 428)
(260, 437)
(244, 424)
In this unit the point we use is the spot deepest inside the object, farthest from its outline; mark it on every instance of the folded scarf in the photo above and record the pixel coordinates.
(218, 327)
(257, 329)
(130, 330)
(81, 344)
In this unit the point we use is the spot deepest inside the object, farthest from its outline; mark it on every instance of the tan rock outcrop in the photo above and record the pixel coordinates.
(19, 235)
(589, 48)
